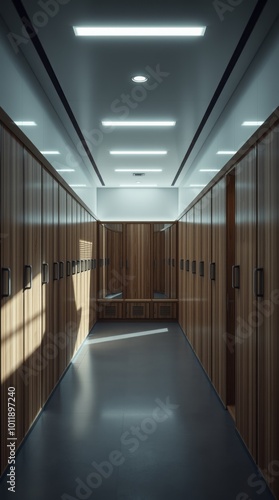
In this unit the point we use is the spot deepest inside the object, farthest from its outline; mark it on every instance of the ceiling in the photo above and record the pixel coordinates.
(88, 80)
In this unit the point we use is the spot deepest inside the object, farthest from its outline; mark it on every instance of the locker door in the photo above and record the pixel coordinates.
(49, 350)
(62, 282)
(204, 271)
(12, 354)
(173, 233)
(190, 316)
(70, 272)
(197, 281)
(219, 309)
(266, 303)
(138, 263)
(246, 333)
(32, 294)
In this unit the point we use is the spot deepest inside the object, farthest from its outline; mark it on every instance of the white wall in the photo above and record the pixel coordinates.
(137, 204)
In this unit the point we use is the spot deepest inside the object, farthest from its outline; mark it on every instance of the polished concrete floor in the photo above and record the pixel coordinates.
(135, 418)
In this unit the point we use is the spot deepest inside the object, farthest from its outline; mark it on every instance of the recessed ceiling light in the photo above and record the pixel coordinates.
(78, 185)
(139, 124)
(65, 170)
(252, 124)
(136, 185)
(50, 152)
(197, 185)
(25, 124)
(138, 170)
(135, 31)
(226, 152)
(138, 152)
(139, 79)
(209, 170)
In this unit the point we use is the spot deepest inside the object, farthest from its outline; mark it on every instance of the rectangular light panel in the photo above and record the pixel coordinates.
(138, 152)
(139, 124)
(142, 31)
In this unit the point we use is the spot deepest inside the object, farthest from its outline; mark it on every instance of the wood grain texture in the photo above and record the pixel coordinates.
(246, 334)
(12, 329)
(268, 308)
(32, 297)
(230, 332)
(62, 283)
(205, 257)
(138, 261)
(190, 289)
(219, 312)
(48, 352)
(197, 281)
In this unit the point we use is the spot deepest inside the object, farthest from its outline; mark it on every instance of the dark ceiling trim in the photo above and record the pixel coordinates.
(49, 69)
(232, 63)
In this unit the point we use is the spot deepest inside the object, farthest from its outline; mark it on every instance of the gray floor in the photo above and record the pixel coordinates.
(135, 419)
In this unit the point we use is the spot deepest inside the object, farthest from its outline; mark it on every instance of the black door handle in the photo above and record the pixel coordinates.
(6, 282)
(45, 273)
(212, 271)
(236, 277)
(27, 277)
(259, 282)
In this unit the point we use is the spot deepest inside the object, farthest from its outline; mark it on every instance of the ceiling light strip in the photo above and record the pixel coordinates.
(138, 152)
(139, 31)
(26, 123)
(138, 170)
(139, 123)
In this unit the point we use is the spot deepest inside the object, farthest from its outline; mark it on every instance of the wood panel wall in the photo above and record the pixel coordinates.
(47, 308)
(231, 314)
(266, 303)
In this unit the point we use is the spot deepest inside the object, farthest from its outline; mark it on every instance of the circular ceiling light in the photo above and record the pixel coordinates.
(139, 79)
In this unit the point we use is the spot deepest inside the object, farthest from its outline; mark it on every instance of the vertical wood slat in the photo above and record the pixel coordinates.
(206, 283)
(138, 261)
(47, 347)
(173, 252)
(246, 335)
(32, 293)
(62, 283)
(267, 308)
(12, 350)
(230, 331)
(70, 256)
(197, 340)
(219, 310)
(190, 294)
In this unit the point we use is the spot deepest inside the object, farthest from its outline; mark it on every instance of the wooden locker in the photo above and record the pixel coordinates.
(266, 307)
(173, 253)
(184, 273)
(167, 244)
(218, 288)
(70, 273)
(197, 281)
(12, 331)
(138, 261)
(62, 283)
(49, 350)
(32, 289)
(190, 290)
(56, 298)
(93, 280)
(205, 287)
(75, 314)
(181, 261)
(245, 333)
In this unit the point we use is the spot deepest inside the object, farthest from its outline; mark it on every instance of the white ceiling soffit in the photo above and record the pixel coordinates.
(88, 80)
